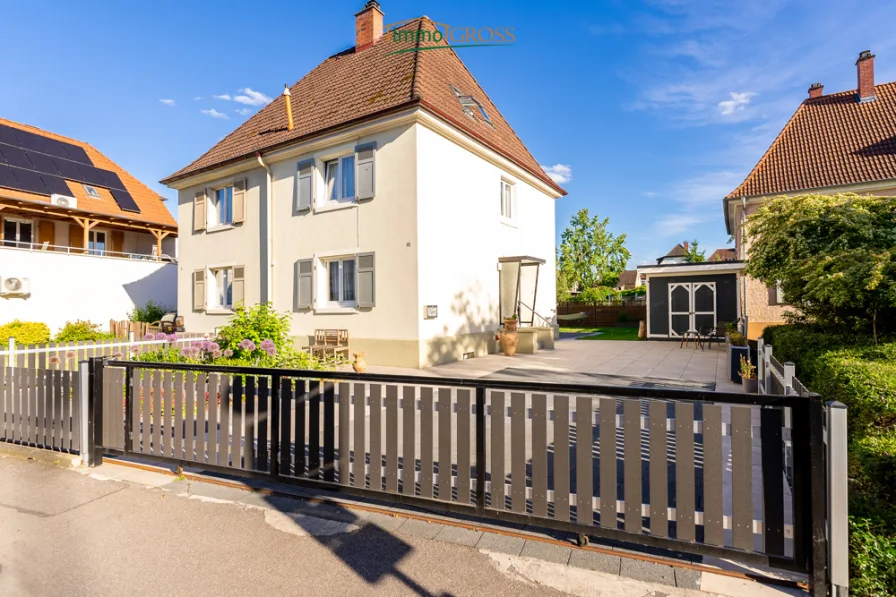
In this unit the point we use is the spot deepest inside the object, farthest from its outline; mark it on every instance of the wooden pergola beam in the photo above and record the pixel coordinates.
(160, 235)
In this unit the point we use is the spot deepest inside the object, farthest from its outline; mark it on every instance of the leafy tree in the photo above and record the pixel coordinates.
(589, 254)
(694, 254)
(834, 256)
(151, 312)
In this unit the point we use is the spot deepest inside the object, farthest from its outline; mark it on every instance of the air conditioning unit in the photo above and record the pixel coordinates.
(63, 201)
(11, 287)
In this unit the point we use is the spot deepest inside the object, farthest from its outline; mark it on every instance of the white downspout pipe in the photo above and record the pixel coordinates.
(743, 246)
(270, 228)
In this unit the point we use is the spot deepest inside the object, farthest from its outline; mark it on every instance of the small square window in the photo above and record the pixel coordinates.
(341, 282)
(339, 176)
(508, 202)
(91, 191)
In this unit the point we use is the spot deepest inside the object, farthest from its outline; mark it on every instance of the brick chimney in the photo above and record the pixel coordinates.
(865, 73)
(368, 26)
(685, 245)
(816, 90)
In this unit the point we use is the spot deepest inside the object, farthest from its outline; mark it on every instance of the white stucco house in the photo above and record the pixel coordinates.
(383, 194)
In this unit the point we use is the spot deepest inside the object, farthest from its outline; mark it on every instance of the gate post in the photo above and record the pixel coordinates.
(86, 447)
(92, 400)
(480, 450)
(838, 512)
(817, 499)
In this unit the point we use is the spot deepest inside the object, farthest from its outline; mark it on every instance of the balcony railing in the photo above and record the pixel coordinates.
(90, 252)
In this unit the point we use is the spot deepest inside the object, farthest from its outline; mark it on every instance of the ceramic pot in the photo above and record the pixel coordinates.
(751, 386)
(509, 341)
(510, 325)
(359, 365)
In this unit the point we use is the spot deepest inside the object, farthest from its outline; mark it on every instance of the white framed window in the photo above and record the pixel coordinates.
(96, 244)
(779, 294)
(18, 232)
(508, 200)
(339, 179)
(221, 288)
(340, 279)
(220, 211)
(91, 191)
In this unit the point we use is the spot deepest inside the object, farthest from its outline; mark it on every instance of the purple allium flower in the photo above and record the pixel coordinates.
(54, 360)
(70, 354)
(161, 336)
(135, 349)
(271, 350)
(266, 344)
(149, 337)
(247, 345)
(186, 351)
(172, 337)
(216, 354)
(197, 343)
(212, 347)
(228, 353)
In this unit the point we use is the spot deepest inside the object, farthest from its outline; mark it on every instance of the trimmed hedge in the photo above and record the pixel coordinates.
(25, 332)
(82, 331)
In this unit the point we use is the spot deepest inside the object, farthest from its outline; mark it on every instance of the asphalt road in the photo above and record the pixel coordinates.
(64, 533)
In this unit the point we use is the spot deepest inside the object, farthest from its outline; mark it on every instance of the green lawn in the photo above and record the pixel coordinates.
(606, 333)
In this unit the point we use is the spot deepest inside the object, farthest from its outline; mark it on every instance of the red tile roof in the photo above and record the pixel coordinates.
(723, 255)
(152, 208)
(349, 88)
(830, 141)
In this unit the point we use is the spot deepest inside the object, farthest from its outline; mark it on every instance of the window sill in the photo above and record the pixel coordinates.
(336, 206)
(335, 310)
(509, 222)
(219, 311)
(220, 228)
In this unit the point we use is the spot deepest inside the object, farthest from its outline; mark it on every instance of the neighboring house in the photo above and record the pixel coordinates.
(80, 238)
(383, 194)
(683, 296)
(678, 254)
(837, 143)
(723, 255)
(628, 280)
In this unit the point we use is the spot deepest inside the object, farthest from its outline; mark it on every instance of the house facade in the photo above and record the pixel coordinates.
(837, 143)
(80, 238)
(403, 209)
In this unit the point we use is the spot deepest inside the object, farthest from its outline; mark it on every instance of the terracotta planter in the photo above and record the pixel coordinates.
(509, 340)
(510, 325)
(359, 365)
(751, 385)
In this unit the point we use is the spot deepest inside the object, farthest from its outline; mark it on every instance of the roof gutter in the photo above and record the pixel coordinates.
(269, 223)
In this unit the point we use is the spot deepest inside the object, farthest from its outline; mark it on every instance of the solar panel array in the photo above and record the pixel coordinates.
(37, 164)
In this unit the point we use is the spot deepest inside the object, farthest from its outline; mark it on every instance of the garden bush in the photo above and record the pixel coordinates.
(82, 331)
(257, 323)
(872, 559)
(151, 312)
(25, 332)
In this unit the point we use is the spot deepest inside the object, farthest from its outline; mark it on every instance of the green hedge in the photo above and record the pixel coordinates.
(82, 331)
(25, 332)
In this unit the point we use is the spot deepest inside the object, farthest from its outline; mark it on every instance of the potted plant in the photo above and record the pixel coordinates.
(748, 376)
(510, 323)
(738, 347)
(509, 337)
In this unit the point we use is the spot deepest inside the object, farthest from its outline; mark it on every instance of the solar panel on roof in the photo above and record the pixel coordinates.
(56, 148)
(6, 177)
(78, 154)
(15, 156)
(28, 140)
(91, 175)
(34, 142)
(67, 168)
(55, 185)
(30, 181)
(42, 162)
(112, 180)
(125, 201)
(8, 135)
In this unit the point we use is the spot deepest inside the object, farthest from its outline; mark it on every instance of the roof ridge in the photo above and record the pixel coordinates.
(765, 156)
(414, 93)
(44, 132)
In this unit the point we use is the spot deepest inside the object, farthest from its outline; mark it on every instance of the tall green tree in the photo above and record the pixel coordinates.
(834, 256)
(590, 255)
(695, 255)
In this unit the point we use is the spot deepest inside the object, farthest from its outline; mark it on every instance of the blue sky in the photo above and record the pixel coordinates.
(654, 110)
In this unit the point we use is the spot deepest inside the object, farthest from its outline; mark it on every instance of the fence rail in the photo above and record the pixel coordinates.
(598, 314)
(776, 378)
(65, 356)
(40, 407)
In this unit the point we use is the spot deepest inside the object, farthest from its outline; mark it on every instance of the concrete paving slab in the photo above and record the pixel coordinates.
(647, 571)
(459, 536)
(546, 552)
(687, 579)
(501, 544)
(420, 528)
(385, 522)
(592, 560)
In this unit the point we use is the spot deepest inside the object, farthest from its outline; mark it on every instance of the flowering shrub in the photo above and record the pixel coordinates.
(25, 332)
(82, 331)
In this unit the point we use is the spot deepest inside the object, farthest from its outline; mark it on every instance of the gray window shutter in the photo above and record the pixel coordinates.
(365, 158)
(238, 291)
(199, 290)
(303, 284)
(366, 280)
(239, 200)
(772, 295)
(199, 217)
(304, 185)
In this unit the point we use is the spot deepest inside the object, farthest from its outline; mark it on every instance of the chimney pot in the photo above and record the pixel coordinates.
(865, 74)
(368, 26)
(816, 90)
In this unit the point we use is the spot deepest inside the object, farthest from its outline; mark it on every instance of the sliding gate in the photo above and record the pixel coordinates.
(691, 471)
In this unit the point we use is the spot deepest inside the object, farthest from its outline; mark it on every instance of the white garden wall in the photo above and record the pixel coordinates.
(68, 287)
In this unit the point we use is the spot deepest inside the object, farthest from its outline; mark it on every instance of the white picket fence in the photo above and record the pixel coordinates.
(64, 356)
(775, 377)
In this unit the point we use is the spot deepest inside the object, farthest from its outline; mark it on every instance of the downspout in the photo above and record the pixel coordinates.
(743, 244)
(270, 228)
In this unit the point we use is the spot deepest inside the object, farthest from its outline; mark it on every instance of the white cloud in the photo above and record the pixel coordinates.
(223, 96)
(197, 98)
(215, 114)
(559, 173)
(251, 97)
(650, 194)
(678, 224)
(737, 102)
(168, 102)
(243, 111)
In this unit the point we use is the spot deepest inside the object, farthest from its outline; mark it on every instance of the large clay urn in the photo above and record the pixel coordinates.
(360, 365)
(509, 337)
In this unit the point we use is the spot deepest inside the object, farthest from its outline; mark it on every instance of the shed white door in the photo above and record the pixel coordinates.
(692, 307)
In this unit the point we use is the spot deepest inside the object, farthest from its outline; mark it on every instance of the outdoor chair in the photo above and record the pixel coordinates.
(327, 342)
(167, 324)
(716, 333)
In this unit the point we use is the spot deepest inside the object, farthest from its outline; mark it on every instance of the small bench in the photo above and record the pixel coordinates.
(329, 341)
